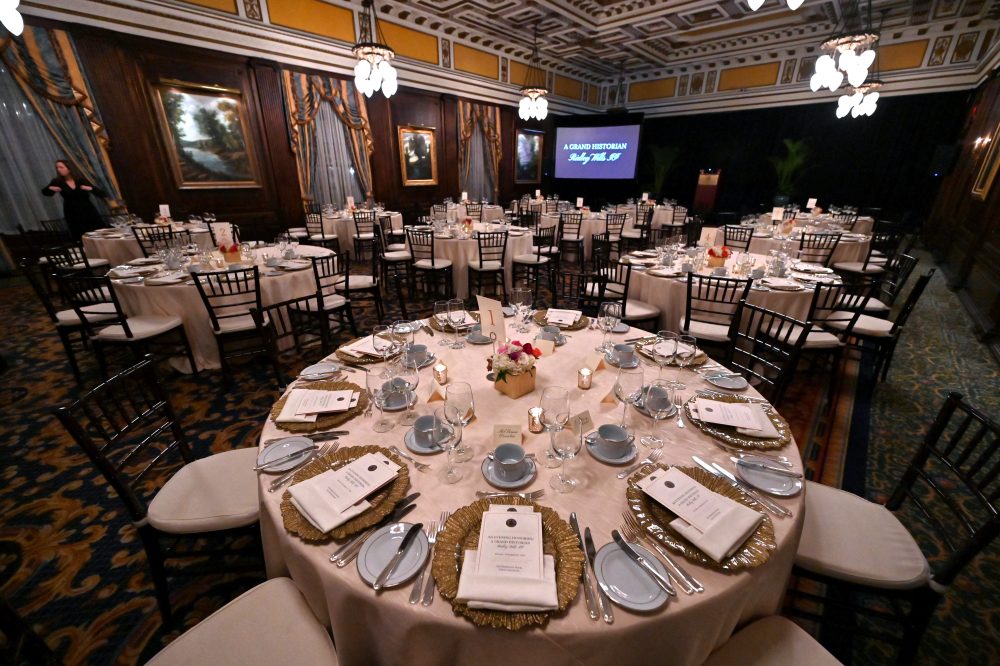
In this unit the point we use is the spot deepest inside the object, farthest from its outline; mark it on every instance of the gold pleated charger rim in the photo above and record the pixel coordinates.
(433, 322)
(655, 522)
(323, 421)
(581, 323)
(731, 437)
(382, 502)
(461, 533)
(699, 359)
(364, 359)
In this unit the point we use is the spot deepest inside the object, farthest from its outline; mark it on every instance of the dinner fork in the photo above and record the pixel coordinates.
(287, 476)
(534, 495)
(653, 457)
(421, 467)
(634, 532)
(679, 404)
(418, 585)
(429, 590)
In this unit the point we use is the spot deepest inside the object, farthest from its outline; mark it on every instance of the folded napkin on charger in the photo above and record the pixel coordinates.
(781, 283)
(508, 593)
(764, 426)
(563, 317)
(310, 498)
(666, 348)
(726, 535)
(303, 405)
(361, 348)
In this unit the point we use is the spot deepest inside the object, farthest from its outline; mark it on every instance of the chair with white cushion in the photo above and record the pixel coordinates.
(818, 248)
(859, 549)
(881, 248)
(434, 273)
(614, 225)
(489, 269)
(332, 300)
(105, 323)
(228, 297)
(897, 273)
(611, 279)
(637, 238)
(364, 233)
(150, 237)
(474, 210)
(297, 328)
(267, 625)
(766, 348)
(571, 237)
(301, 234)
(71, 258)
(316, 233)
(713, 309)
(542, 260)
(128, 429)
(771, 641)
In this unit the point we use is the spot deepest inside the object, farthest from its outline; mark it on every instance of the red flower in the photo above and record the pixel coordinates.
(234, 248)
(222, 248)
(528, 349)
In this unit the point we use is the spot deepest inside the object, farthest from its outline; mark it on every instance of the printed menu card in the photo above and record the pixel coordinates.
(330, 499)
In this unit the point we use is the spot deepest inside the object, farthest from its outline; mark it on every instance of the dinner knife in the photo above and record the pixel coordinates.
(285, 458)
(642, 562)
(766, 502)
(602, 597)
(318, 437)
(287, 476)
(344, 553)
(588, 586)
(383, 577)
(780, 471)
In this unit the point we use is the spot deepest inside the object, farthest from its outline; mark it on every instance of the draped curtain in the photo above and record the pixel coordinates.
(479, 146)
(305, 95)
(335, 178)
(45, 65)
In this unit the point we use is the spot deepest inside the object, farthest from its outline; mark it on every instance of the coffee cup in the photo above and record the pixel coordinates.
(423, 430)
(416, 354)
(625, 354)
(687, 267)
(611, 440)
(719, 270)
(272, 261)
(509, 462)
(757, 273)
(549, 333)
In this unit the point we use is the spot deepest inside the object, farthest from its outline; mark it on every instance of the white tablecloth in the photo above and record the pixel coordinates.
(864, 225)
(846, 250)
(386, 629)
(466, 251)
(184, 301)
(343, 228)
(124, 247)
(458, 212)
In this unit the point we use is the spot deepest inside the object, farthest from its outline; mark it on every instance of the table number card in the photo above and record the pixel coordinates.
(504, 433)
(436, 393)
(777, 213)
(350, 202)
(510, 545)
(810, 204)
(356, 480)
(465, 196)
(491, 319)
(579, 202)
(538, 194)
(547, 347)
(645, 196)
(164, 210)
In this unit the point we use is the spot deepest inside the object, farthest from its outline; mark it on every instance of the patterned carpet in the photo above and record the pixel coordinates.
(70, 564)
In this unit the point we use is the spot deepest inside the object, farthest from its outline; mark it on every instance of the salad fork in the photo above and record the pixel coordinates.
(632, 531)
(428, 598)
(653, 457)
(534, 495)
(431, 531)
(421, 467)
(287, 476)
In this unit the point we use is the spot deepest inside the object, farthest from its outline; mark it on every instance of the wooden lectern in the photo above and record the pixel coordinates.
(705, 193)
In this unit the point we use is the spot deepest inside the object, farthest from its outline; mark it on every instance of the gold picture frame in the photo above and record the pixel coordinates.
(528, 147)
(205, 129)
(988, 168)
(417, 155)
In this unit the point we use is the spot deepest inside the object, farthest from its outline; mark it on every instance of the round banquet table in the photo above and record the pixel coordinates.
(592, 223)
(663, 216)
(848, 249)
(184, 301)
(386, 629)
(343, 228)
(119, 248)
(458, 212)
(864, 225)
(463, 251)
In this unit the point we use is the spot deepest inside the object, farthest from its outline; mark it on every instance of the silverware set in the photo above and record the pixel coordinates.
(347, 552)
(315, 437)
(421, 467)
(428, 596)
(632, 531)
(287, 476)
(653, 457)
(532, 496)
(718, 470)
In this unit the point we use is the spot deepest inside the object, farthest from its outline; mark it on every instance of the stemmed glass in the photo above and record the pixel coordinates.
(441, 317)
(628, 388)
(663, 350)
(404, 332)
(658, 402)
(375, 383)
(407, 379)
(687, 349)
(609, 316)
(460, 407)
(566, 444)
(456, 315)
(555, 414)
(520, 300)
(448, 434)
(382, 342)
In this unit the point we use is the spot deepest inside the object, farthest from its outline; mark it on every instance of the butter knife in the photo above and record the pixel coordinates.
(767, 503)
(283, 459)
(318, 437)
(588, 586)
(383, 577)
(780, 471)
(602, 597)
(657, 577)
(346, 553)
(287, 476)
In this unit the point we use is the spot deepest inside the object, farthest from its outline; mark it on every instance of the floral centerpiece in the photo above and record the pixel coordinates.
(231, 253)
(467, 226)
(514, 366)
(717, 256)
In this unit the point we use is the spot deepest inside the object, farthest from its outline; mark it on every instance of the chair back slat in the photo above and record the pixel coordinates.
(571, 223)
(766, 348)
(492, 247)
(90, 296)
(421, 242)
(818, 248)
(364, 222)
(714, 300)
(737, 237)
(229, 294)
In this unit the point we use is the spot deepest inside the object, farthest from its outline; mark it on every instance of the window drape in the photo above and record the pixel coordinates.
(305, 94)
(45, 65)
(473, 166)
(335, 178)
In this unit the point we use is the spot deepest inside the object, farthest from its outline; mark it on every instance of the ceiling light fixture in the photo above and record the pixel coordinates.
(10, 18)
(850, 53)
(757, 4)
(374, 70)
(533, 102)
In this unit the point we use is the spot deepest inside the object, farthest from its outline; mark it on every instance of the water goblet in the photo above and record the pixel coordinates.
(407, 378)
(628, 389)
(441, 317)
(687, 349)
(663, 350)
(460, 406)
(375, 385)
(566, 444)
(447, 434)
(382, 342)
(456, 316)
(659, 402)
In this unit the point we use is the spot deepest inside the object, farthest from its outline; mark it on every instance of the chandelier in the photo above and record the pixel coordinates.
(374, 69)
(849, 54)
(861, 100)
(10, 18)
(757, 4)
(533, 102)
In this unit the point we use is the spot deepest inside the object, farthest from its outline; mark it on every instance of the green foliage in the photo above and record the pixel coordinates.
(663, 161)
(790, 167)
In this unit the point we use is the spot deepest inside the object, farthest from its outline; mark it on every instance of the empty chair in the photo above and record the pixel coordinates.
(572, 292)
(296, 326)
(551, 206)
(611, 281)
(71, 258)
(713, 309)
(529, 219)
(128, 429)
(766, 349)
(302, 233)
(332, 302)
(678, 217)
(228, 297)
(542, 260)
(150, 237)
(571, 236)
(105, 323)
(693, 229)
(771, 641)
(614, 225)
(317, 233)
(439, 211)
(489, 267)
(364, 233)
(435, 273)
(897, 274)
(818, 248)
(737, 237)
(859, 549)
(883, 245)
(395, 239)
(475, 211)
(637, 238)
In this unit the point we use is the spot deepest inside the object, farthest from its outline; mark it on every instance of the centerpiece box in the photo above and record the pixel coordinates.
(717, 256)
(514, 368)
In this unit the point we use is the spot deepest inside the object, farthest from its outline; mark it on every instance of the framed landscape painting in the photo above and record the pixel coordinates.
(528, 156)
(417, 155)
(205, 129)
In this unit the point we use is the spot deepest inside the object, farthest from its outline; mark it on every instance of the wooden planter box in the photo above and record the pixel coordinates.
(514, 386)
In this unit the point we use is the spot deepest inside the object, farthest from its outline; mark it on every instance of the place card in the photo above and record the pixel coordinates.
(545, 346)
(164, 210)
(491, 319)
(610, 398)
(504, 433)
(510, 546)
(777, 213)
(685, 497)
(579, 202)
(811, 204)
(350, 202)
(645, 196)
(593, 361)
(581, 423)
(736, 414)
(436, 393)
(465, 196)
(356, 480)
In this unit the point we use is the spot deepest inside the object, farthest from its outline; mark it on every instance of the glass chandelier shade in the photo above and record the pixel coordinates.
(534, 103)
(757, 4)
(10, 18)
(374, 70)
(848, 57)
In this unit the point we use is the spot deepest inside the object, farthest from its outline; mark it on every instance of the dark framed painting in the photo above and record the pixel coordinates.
(417, 155)
(206, 132)
(528, 147)
(988, 168)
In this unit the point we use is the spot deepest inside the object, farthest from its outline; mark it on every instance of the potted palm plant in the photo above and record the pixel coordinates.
(788, 169)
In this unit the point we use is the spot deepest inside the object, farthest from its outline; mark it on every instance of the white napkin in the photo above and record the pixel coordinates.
(313, 502)
(174, 277)
(781, 283)
(507, 593)
(122, 273)
(563, 317)
(361, 348)
(291, 412)
(726, 535)
(466, 321)
(664, 348)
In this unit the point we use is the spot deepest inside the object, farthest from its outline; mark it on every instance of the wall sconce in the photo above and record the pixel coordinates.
(980, 142)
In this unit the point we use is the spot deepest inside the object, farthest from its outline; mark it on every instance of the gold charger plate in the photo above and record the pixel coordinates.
(326, 421)
(461, 533)
(730, 436)
(655, 522)
(382, 502)
(364, 359)
(640, 348)
(581, 323)
(436, 325)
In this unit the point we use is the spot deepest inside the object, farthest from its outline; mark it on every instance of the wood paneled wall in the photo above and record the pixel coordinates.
(963, 231)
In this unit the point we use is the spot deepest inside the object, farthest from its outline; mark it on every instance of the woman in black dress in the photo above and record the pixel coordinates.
(78, 210)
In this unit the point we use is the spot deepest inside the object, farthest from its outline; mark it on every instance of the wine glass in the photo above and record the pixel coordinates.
(608, 317)
(460, 407)
(663, 350)
(566, 444)
(555, 413)
(382, 342)
(687, 349)
(659, 402)
(375, 383)
(456, 316)
(628, 388)
(441, 317)
(407, 379)
(447, 434)
(405, 332)
(520, 299)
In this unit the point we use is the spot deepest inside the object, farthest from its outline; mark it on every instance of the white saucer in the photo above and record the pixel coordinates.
(773, 484)
(625, 582)
(611, 360)
(281, 448)
(631, 451)
(490, 475)
(410, 440)
(322, 370)
(622, 327)
(381, 546)
(729, 383)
